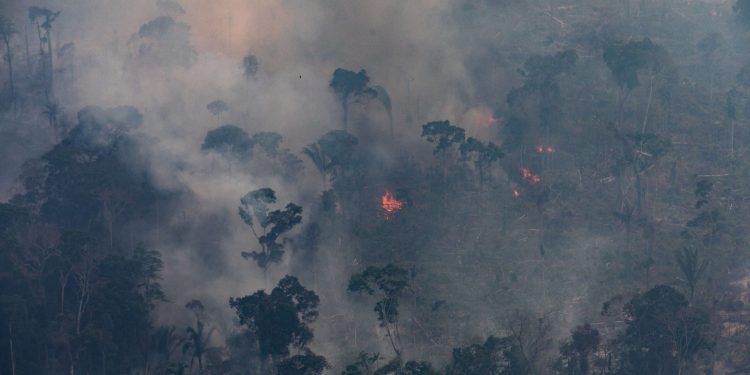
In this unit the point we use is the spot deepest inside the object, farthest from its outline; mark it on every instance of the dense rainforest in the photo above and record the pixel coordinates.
(422, 187)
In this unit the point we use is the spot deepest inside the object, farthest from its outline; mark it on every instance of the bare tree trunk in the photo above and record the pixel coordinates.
(50, 67)
(731, 139)
(648, 104)
(12, 353)
(63, 283)
(28, 54)
(9, 60)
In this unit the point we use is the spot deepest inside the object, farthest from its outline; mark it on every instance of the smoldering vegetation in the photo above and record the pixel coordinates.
(370, 188)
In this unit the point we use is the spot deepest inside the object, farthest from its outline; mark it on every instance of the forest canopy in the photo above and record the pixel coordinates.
(375, 188)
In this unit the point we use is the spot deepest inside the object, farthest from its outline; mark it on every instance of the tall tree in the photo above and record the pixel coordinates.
(7, 31)
(271, 225)
(250, 66)
(350, 86)
(387, 283)
(217, 107)
(280, 319)
(43, 19)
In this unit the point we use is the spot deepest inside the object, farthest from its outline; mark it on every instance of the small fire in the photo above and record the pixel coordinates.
(530, 177)
(491, 119)
(516, 193)
(545, 149)
(390, 204)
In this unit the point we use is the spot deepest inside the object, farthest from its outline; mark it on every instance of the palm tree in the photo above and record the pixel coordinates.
(52, 111)
(318, 158)
(385, 100)
(197, 343)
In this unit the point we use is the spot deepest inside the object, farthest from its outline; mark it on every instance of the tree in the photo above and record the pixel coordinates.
(348, 86)
(164, 42)
(317, 157)
(250, 66)
(217, 107)
(626, 60)
(333, 153)
(385, 99)
(197, 343)
(708, 46)
(663, 333)
(268, 141)
(541, 75)
(387, 283)
(443, 134)
(308, 363)
(640, 151)
(271, 224)
(280, 319)
(43, 18)
(497, 356)
(484, 154)
(7, 31)
(229, 140)
(692, 267)
(575, 353)
(52, 111)
(364, 365)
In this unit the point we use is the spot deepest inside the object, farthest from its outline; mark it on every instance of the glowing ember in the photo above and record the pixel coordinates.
(530, 177)
(516, 193)
(545, 149)
(390, 204)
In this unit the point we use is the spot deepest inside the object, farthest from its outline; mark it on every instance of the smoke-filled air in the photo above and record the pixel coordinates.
(375, 187)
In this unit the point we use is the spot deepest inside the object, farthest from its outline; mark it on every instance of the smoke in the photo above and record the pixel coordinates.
(448, 59)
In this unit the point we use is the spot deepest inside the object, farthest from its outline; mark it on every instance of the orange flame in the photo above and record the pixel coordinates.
(550, 150)
(516, 193)
(540, 149)
(390, 204)
(530, 177)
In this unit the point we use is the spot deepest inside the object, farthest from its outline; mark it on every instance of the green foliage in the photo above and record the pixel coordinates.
(348, 85)
(541, 73)
(302, 364)
(280, 319)
(483, 154)
(338, 147)
(42, 16)
(418, 368)
(364, 365)
(625, 60)
(662, 332)
(497, 356)
(217, 107)
(268, 141)
(388, 283)
(333, 153)
(272, 223)
(575, 354)
(444, 134)
(228, 140)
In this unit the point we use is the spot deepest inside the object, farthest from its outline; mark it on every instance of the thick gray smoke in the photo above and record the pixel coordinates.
(450, 59)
